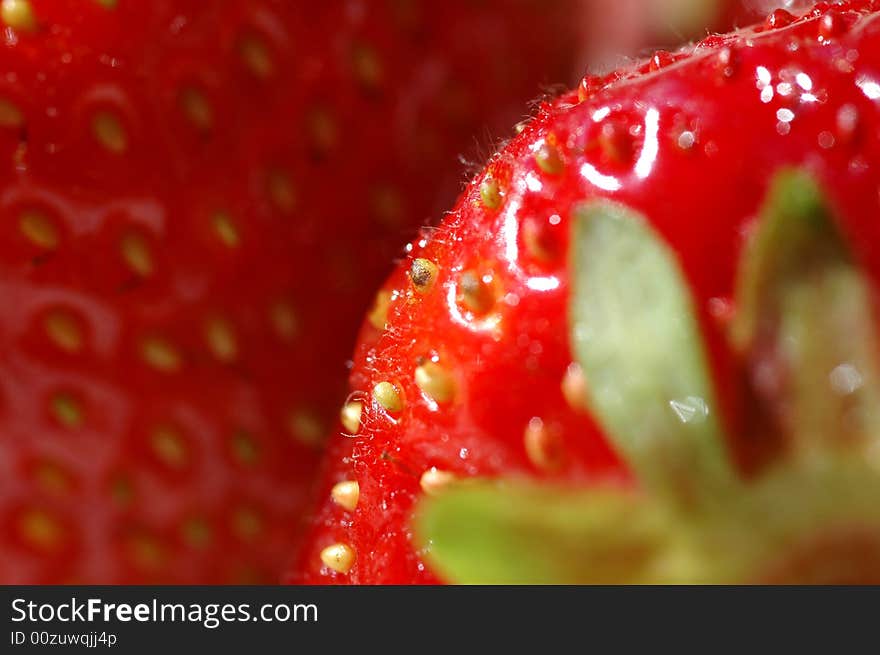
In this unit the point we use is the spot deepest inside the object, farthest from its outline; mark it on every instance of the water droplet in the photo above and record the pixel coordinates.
(785, 115)
(845, 379)
(661, 59)
(803, 80)
(778, 18)
(589, 85)
(832, 24)
(721, 309)
(686, 140)
(847, 123)
(691, 409)
(869, 87)
(726, 63)
(826, 140)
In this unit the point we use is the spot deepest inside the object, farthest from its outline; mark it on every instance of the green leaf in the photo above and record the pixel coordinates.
(634, 333)
(518, 533)
(805, 323)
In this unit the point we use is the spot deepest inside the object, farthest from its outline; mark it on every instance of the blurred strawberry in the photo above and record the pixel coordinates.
(616, 29)
(197, 201)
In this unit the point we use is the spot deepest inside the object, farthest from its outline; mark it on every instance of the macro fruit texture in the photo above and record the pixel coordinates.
(738, 178)
(196, 196)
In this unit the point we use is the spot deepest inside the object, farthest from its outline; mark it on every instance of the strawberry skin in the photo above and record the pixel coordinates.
(196, 199)
(468, 373)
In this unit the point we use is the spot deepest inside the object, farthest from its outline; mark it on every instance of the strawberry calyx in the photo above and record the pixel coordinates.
(799, 524)
(805, 331)
(806, 327)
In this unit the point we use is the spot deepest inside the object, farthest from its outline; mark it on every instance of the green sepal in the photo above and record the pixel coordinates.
(635, 334)
(805, 323)
(796, 525)
(486, 532)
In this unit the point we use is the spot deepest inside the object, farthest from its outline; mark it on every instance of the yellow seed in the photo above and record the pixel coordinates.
(282, 191)
(475, 293)
(367, 67)
(169, 447)
(136, 254)
(339, 557)
(423, 273)
(197, 533)
(387, 206)
(435, 381)
(284, 320)
(51, 478)
(160, 355)
(146, 552)
(108, 4)
(490, 193)
(109, 132)
(433, 481)
(249, 575)
(256, 56)
(307, 428)
(543, 446)
(323, 131)
(378, 315)
(247, 523)
(388, 397)
(121, 491)
(350, 416)
(346, 494)
(225, 229)
(574, 387)
(221, 339)
(549, 160)
(245, 449)
(537, 242)
(197, 108)
(38, 229)
(64, 330)
(41, 529)
(67, 410)
(10, 115)
(19, 15)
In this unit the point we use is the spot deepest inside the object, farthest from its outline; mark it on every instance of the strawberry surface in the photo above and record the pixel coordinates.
(464, 368)
(196, 197)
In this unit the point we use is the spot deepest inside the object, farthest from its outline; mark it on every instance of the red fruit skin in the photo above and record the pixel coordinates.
(615, 29)
(363, 109)
(707, 133)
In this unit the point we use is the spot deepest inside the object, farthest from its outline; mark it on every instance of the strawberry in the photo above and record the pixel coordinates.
(617, 28)
(196, 196)
(656, 301)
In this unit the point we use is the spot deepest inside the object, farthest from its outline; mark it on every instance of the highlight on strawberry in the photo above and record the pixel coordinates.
(643, 346)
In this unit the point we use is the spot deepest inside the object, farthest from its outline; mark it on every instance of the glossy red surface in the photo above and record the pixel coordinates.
(692, 141)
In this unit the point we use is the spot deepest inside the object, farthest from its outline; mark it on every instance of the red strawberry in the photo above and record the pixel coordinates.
(722, 202)
(617, 28)
(196, 195)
